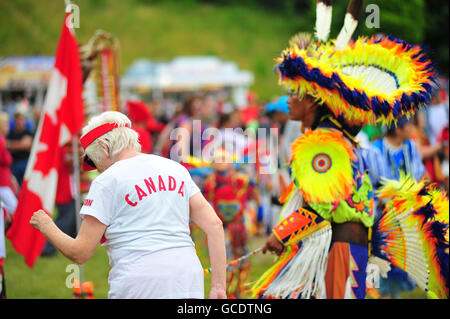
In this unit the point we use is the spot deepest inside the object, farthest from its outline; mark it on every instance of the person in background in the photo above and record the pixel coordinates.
(8, 199)
(3, 215)
(429, 153)
(191, 110)
(8, 185)
(209, 110)
(139, 114)
(389, 157)
(288, 131)
(22, 106)
(394, 153)
(232, 137)
(250, 113)
(443, 139)
(19, 141)
(65, 199)
(229, 193)
(437, 117)
(373, 131)
(154, 125)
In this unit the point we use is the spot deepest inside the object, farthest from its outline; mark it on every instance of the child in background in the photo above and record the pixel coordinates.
(228, 192)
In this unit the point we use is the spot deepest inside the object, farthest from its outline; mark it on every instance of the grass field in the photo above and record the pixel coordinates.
(252, 37)
(47, 280)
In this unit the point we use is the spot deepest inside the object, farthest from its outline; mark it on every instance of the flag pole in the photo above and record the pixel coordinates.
(76, 175)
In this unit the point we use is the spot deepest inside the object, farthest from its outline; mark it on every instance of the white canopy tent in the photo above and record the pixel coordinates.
(184, 74)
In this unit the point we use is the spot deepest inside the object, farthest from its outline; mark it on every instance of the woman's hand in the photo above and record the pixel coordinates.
(274, 245)
(40, 220)
(217, 293)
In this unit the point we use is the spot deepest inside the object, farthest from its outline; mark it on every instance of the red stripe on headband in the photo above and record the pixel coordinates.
(95, 133)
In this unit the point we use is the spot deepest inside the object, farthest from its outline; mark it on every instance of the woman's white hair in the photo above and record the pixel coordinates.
(117, 140)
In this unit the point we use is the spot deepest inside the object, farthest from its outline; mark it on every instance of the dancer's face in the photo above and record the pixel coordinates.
(406, 132)
(302, 109)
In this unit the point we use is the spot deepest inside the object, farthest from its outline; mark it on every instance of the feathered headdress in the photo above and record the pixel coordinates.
(376, 79)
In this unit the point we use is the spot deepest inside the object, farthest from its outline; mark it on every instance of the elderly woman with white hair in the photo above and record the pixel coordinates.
(139, 208)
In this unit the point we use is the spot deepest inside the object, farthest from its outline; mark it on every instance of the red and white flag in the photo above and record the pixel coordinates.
(61, 118)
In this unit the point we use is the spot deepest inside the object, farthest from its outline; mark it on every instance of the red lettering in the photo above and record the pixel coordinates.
(129, 201)
(88, 202)
(140, 192)
(161, 184)
(172, 183)
(181, 191)
(150, 185)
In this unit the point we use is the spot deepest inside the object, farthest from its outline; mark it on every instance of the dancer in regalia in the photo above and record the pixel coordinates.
(327, 235)
(229, 191)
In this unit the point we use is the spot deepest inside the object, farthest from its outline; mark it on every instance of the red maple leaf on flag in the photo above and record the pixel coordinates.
(62, 118)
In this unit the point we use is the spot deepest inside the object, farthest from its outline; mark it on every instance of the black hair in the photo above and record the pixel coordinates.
(188, 102)
(391, 131)
(223, 118)
(323, 116)
(321, 113)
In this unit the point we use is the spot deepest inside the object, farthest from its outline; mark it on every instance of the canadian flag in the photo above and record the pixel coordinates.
(61, 118)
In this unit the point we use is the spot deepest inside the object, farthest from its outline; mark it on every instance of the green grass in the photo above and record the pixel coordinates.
(47, 279)
(252, 37)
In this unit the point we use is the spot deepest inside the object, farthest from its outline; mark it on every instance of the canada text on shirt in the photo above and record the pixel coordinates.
(162, 185)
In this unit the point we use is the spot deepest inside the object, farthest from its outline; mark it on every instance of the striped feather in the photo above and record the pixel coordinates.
(411, 233)
(352, 15)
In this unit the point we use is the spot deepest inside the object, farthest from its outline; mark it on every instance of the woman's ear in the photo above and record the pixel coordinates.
(105, 147)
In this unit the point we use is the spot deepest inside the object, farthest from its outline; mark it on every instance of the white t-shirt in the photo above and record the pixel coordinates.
(144, 202)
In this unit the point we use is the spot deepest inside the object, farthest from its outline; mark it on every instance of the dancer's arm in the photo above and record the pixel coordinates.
(206, 218)
(78, 250)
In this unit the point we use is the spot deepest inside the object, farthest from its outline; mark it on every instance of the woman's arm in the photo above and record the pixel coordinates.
(206, 218)
(78, 250)
(427, 151)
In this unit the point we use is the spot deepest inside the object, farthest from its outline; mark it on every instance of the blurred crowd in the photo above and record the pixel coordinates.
(244, 192)
(418, 146)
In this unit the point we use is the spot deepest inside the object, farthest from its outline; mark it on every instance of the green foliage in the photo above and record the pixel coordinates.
(249, 32)
(437, 33)
(159, 30)
(403, 19)
(416, 21)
